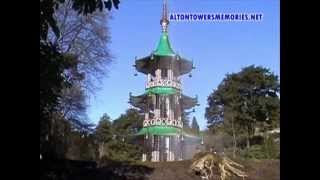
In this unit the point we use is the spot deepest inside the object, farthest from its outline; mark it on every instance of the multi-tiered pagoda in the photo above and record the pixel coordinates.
(163, 102)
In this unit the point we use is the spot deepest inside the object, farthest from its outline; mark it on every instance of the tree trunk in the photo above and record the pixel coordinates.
(234, 138)
(101, 150)
(248, 139)
(265, 144)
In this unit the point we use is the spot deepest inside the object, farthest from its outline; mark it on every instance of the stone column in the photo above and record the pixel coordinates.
(149, 77)
(172, 147)
(152, 148)
(144, 155)
(157, 152)
(167, 147)
(170, 75)
(158, 74)
(168, 106)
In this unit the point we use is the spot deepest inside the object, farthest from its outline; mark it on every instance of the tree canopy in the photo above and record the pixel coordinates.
(195, 125)
(61, 93)
(117, 139)
(104, 131)
(246, 101)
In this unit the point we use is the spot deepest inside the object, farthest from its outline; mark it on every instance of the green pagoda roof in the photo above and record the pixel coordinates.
(161, 90)
(164, 47)
(160, 130)
(168, 131)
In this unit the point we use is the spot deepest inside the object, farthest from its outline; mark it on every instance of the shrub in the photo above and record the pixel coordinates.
(254, 152)
(271, 149)
(268, 150)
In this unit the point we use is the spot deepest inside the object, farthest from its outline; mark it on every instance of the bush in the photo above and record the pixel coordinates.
(268, 150)
(254, 152)
(271, 149)
(120, 151)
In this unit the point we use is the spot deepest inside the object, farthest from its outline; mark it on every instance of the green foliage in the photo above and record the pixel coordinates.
(104, 131)
(52, 65)
(117, 140)
(271, 149)
(126, 126)
(55, 73)
(244, 101)
(81, 146)
(195, 125)
(129, 123)
(268, 150)
(123, 151)
(85, 7)
(254, 152)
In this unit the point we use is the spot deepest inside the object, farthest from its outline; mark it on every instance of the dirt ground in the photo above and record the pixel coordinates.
(263, 169)
(256, 169)
(179, 170)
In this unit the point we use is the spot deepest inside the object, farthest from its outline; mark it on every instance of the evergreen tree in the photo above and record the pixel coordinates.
(194, 125)
(128, 123)
(117, 140)
(103, 134)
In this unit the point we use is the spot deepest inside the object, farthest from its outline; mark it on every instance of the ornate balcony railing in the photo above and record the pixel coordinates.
(162, 122)
(164, 83)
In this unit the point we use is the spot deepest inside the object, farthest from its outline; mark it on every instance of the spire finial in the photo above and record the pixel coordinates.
(164, 19)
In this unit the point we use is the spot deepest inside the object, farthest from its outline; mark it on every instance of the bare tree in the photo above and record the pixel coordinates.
(73, 104)
(87, 38)
(84, 39)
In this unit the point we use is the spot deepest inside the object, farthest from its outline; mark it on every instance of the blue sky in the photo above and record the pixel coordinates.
(216, 48)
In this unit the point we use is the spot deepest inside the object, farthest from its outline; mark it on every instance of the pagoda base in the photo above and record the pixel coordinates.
(159, 148)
